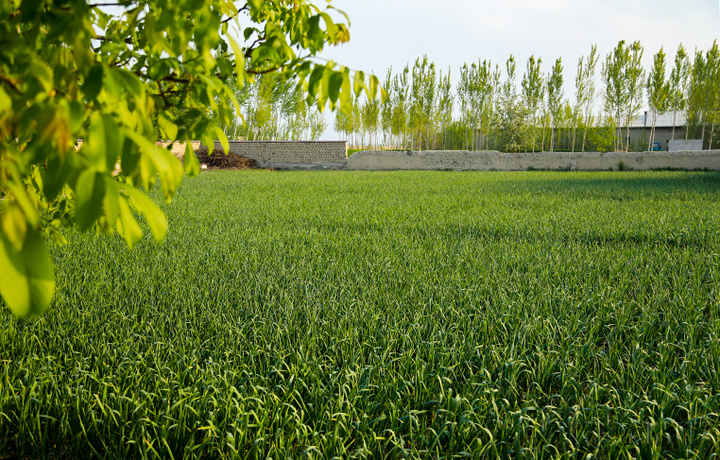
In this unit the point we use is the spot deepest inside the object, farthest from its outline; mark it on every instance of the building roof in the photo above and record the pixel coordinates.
(664, 120)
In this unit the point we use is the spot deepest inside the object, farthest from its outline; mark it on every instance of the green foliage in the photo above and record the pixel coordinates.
(533, 93)
(585, 89)
(658, 89)
(704, 94)
(555, 97)
(384, 315)
(120, 80)
(616, 93)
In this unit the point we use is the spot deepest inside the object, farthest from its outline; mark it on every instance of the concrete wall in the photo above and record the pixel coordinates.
(493, 160)
(279, 153)
(678, 145)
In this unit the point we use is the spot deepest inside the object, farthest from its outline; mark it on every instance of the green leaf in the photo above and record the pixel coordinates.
(165, 162)
(324, 90)
(130, 82)
(373, 86)
(127, 226)
(26, 204)
(155, 217)
(336, 82)
(77, 115)
(130, 157)
(56, 175)
(102, 141)
(93, 83)
(359, 82)
(223, 139)
(5, 102)
(255, 6)
(42, 74)
(89, 193)
(27, 283)
(329, 26)
(192, 165)
(110, 202)
(315, 79)
(239, 61)
(13, 224)
(168, 127)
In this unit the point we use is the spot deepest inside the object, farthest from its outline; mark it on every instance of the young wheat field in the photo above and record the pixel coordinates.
(383, 315)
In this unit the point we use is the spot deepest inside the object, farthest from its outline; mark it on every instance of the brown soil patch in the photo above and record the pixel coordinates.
(218, 160)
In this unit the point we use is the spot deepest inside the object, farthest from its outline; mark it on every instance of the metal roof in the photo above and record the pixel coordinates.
(664, 120)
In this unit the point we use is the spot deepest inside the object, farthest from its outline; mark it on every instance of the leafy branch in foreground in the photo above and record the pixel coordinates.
(121, 78)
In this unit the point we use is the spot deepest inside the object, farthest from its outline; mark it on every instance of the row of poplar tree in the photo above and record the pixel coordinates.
(487, 110)
(274, 107)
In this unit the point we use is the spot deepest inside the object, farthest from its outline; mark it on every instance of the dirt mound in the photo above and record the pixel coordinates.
(218, 160)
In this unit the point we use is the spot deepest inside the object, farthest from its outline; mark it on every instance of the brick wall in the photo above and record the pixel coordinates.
(269, 153)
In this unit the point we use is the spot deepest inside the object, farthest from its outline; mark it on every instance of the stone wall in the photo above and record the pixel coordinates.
(493, 160)
(279, 153)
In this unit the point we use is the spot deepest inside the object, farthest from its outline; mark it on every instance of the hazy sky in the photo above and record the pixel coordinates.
(388, 33)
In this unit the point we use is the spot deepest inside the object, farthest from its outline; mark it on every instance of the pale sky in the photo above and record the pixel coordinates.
(388, 33)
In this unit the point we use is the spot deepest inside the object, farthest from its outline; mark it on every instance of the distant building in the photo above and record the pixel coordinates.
(640, 129)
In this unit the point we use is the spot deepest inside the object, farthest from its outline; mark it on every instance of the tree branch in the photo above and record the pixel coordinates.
(95, 5)
(244, 8)
(103, 38)
(12, 83)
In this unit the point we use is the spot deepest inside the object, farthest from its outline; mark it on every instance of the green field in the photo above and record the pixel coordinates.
(398, 314)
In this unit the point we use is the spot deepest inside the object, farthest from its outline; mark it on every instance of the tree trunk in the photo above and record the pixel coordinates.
(652, 132)
(712, 131)
(674, 122)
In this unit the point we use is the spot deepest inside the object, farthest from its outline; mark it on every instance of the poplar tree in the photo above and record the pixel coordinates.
(700, 93)
(657, 91)
(445, 105)
(585, 91)
(401, 106)
(370, 114)
(386, 109)
(512, 134)
(417, 104)
(635, 76)
(555, 97)
(616, 92)
(533, 93)
(713, 81)
(430, 89)
(464, 94)
(679, 79)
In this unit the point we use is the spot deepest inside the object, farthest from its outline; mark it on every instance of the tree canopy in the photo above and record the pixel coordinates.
(120, 76)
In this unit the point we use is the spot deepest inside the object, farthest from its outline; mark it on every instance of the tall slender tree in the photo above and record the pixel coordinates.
(585, 92)
(589, 74)
(616, 92)
(532, 93)
(464, 93)
(445, 105)
(698, 97)
(635, 76)
(370, 114)
(657, 91)
(555, 97)
(401, 106)
(387, 109)
(679, 85)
